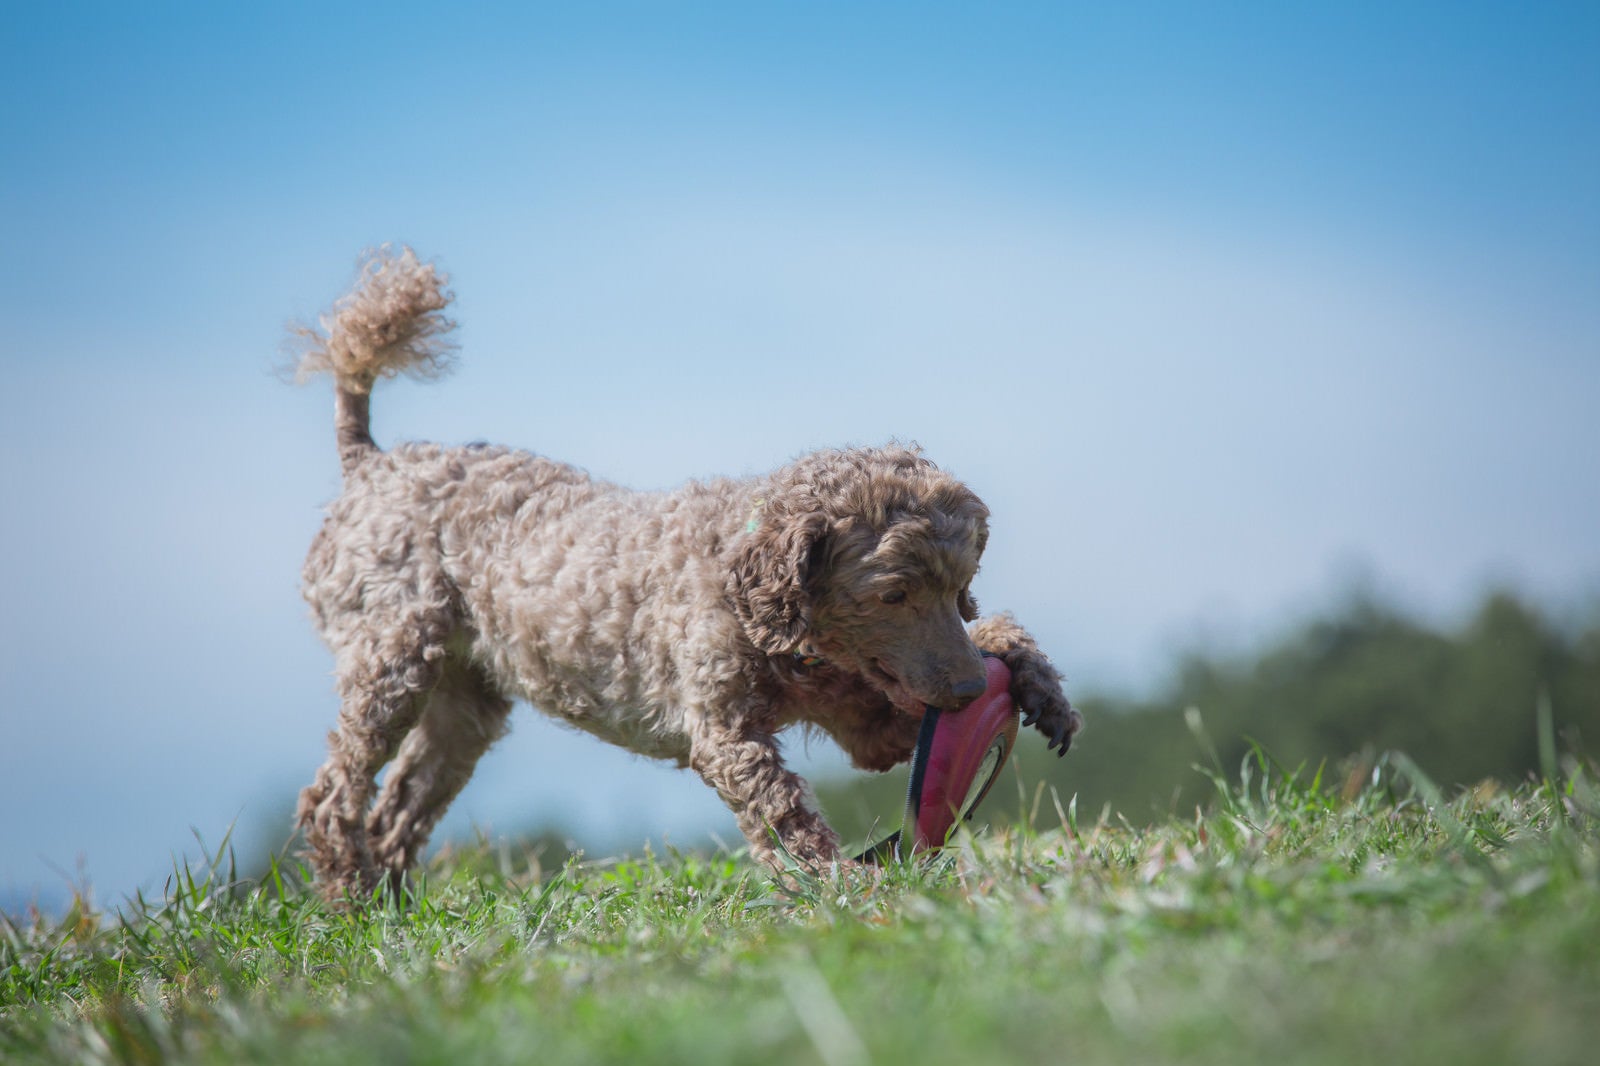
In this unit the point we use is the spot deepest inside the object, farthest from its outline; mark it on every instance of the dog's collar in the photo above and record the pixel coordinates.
(806, 657)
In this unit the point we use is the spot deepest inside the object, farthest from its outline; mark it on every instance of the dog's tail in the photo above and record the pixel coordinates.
(392, 322)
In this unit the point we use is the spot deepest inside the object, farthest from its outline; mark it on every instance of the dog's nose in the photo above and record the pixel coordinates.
(968, 690)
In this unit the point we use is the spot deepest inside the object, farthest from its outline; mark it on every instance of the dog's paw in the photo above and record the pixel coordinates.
(1036, 689)
(1035, 681)
(802, 839)
(1052, 715)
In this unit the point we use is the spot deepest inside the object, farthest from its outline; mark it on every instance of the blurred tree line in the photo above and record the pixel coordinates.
(1364, 679)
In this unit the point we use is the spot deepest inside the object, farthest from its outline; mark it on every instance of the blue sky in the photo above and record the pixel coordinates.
(1215, 305)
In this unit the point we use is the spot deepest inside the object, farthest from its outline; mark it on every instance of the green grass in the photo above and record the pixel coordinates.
(1300, 918)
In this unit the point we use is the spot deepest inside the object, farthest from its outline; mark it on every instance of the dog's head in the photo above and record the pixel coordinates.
(865, 559)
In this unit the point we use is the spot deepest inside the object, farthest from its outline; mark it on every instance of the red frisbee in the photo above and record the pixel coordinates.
(958, 756)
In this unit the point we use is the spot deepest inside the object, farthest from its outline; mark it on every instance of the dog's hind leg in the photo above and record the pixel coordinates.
(462, 718)
(384, 673)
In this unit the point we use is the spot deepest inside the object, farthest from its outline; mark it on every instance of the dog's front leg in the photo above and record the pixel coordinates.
(767, 799)
(1035, 681)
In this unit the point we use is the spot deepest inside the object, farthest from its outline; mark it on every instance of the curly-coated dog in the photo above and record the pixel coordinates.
(693, 625)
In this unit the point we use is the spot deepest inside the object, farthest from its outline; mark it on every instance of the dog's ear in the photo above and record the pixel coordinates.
(967, 605)
(768, 585)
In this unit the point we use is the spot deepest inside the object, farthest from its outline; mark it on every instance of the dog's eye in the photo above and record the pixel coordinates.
(894, 596)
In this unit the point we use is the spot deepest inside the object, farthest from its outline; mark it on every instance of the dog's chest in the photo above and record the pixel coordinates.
(656, 736)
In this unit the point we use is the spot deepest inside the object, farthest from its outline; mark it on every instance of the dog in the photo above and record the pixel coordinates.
(694, 625)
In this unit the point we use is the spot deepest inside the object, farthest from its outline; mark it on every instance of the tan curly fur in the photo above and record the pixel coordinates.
(693, 625)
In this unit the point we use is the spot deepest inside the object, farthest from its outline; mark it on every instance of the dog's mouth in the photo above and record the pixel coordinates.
(898, 691)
